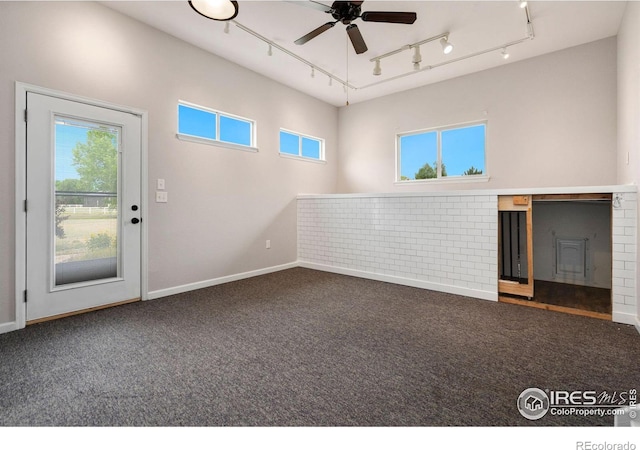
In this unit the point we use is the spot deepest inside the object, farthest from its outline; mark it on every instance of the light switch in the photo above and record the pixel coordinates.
(160, 183)
(162, 197)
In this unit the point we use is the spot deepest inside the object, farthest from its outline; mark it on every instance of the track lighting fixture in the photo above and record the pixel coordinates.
(273, 45)
(226, 28)
(447, 47)
(270, 50)
(376, 69)
(215, 9)
(417, 58)
(504, 53)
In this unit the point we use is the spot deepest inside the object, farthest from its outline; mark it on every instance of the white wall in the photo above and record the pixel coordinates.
(629, 99)
(223, 204)
(629, 95)
(551, 122)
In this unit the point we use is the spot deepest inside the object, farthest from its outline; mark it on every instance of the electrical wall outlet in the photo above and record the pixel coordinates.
(160, 184)
(162, 197)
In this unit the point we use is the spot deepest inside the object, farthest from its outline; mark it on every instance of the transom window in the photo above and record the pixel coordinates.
(201, 124)
(300, 145)
(456, 151)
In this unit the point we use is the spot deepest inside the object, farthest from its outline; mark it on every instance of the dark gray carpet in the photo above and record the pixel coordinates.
(307, 348)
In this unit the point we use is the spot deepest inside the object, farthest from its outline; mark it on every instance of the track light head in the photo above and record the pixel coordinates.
(417, 57)
(447, 47)
(215, 9)
(504, 53)
(377, 70)
(523, 4)
(270, 50)
(313, 72)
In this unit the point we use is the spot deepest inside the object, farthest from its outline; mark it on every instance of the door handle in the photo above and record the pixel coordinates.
(135, 220)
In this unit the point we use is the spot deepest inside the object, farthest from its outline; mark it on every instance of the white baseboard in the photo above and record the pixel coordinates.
(626, 318)
(8, 326)
(619, 317)
(215, 281)
(467, 292)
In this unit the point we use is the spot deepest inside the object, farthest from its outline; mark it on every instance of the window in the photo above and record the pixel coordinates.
(298, 145)
(442, 153)
(200, 124)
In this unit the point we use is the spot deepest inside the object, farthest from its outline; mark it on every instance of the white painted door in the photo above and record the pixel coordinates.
(83, 206)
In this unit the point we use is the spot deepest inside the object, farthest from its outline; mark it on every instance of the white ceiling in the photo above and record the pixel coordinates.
(474, 27)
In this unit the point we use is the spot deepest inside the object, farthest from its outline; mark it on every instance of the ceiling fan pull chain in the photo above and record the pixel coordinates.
(347, 57)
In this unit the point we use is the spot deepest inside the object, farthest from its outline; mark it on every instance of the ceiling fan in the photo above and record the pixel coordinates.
(347, 12)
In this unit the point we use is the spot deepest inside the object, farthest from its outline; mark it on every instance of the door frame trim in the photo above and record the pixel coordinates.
(21, 90)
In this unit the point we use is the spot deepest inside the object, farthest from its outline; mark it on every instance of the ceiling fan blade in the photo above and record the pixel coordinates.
(311, 4)
(389, 17)
(321, 29)
(356, 39)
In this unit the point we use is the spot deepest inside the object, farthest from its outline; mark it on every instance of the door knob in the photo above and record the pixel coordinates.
(135, 220)
(134, 208)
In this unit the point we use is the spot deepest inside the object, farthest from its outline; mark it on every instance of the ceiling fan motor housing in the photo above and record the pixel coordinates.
(346, 12)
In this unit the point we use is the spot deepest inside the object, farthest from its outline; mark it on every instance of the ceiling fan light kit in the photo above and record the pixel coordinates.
(215, 9)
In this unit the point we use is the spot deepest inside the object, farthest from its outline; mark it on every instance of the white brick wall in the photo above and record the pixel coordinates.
(442, 242)
(436, 241)
(625, 251)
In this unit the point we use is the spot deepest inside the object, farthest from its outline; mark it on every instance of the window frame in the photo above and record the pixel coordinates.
(253, 147)
(440, 179)
(321, 156)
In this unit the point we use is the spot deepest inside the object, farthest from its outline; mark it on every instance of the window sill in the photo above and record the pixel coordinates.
(303, 158)
(245, 148)
(446, 180)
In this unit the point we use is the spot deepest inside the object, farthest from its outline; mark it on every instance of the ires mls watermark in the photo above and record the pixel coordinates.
(534, 403)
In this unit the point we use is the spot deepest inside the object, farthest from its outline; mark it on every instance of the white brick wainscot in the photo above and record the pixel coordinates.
(443, 241)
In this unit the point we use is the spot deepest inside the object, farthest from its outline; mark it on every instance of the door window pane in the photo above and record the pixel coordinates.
(86, 225)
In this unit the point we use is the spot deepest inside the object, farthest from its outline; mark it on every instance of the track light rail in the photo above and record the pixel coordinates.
(377, 59)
